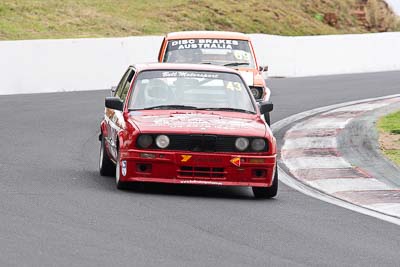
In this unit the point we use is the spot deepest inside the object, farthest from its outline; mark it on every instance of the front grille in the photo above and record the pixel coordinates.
(203, 143)
(201, 172)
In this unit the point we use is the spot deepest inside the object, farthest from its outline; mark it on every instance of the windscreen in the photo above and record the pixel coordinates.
(161, 89)
(232, 53)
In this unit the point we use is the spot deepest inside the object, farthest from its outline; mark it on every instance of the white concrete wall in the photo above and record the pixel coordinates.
(90, 64)
(70, 64)
(328, 54)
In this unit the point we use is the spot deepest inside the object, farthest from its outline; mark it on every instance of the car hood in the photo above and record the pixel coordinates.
(252, 77)
(248, 76)
(199, 123)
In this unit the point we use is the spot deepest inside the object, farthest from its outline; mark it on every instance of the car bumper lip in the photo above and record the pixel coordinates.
(181, 167)
(196, 182)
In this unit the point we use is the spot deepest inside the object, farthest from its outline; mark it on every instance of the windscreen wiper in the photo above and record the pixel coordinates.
(236, 64)
(170, 107)
(230, 109)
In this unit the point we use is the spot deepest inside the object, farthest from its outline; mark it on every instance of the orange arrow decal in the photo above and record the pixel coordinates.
(236, 161)
(185, 158)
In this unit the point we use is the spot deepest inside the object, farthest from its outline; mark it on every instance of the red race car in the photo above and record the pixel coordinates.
(187, 124)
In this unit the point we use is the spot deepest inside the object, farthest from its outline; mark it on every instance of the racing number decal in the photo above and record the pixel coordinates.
(186, 158)
(241, 55)
(234, 86)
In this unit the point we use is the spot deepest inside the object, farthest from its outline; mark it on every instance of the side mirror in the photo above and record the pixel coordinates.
(114, 103)
(263, 68)
(266, 107)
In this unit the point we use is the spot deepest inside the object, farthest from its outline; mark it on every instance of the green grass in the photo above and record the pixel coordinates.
(390, 124)
(393, 155)
(36, 19)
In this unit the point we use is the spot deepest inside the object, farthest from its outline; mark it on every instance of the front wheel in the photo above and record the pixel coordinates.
(106, 166)
(267, 192)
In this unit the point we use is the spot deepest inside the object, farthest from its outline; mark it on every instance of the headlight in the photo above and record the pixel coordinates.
(258, 144)
(162, 141)
(256, 91)
(242, 143)
(145, 141)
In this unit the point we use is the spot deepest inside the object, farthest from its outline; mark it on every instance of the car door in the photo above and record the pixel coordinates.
(114, 118)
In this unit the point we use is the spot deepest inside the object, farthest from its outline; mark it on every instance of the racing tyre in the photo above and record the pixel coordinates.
(120, 185)
(106, 166)
(267, 192)
(267, 118)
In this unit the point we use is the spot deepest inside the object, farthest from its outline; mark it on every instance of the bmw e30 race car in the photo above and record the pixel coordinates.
(231, 49)
(187, 124)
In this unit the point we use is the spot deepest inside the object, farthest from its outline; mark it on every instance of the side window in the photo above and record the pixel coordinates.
(127, 84)
(121, 83)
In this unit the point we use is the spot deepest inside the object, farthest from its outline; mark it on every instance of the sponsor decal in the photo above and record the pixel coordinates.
(236, 161)
(200, 182)
(190, 74)
(203, 44)
(186, 158)
(124, 167)
(208, 160)
(203, 122)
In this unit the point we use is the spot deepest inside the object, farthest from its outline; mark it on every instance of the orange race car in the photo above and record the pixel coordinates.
(230, 49)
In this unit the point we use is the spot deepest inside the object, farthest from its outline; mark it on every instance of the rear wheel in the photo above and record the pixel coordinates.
(267, 192)
(106, 166)
(120, 185)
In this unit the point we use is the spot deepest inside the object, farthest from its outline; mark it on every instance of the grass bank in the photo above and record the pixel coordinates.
(36, 19)
(389, 136)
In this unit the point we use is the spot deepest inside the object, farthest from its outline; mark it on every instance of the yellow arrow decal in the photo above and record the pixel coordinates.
(185, 158)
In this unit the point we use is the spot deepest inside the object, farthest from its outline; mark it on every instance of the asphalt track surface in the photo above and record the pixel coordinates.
(56, 210)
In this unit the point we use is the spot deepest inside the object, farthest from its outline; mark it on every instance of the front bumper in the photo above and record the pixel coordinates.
(197, 168)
